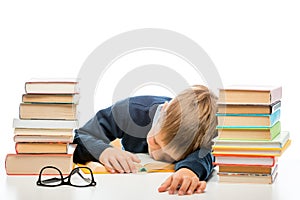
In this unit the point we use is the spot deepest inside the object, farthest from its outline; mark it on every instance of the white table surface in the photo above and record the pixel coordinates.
(144, 186)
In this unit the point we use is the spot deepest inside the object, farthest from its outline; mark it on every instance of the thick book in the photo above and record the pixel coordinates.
(228, 177)
(250, 94)
(247, 169)
(42, 131)
(43, 138)
(31, 164)
(46, 124)
(52, 86)
(147, 165)
(249, 108)
(50, 98)
(249, 133)
(258, 151)
(278, 142)
(252, 160)
(48, 111)
(41, 147)
(248, 120)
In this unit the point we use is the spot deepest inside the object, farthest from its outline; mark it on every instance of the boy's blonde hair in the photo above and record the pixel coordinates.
(190, 121)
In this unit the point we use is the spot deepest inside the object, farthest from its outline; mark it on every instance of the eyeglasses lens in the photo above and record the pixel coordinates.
(77, 178)
(51, 177)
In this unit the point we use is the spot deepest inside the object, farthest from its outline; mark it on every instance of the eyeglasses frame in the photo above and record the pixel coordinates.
(68, 182)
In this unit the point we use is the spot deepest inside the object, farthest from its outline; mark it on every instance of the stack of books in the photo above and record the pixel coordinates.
(249, 139)
(43, 133)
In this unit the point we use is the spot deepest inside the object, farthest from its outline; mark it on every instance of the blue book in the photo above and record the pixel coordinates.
(247, 120)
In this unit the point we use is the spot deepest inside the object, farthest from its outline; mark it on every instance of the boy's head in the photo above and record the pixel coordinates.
(185, 124)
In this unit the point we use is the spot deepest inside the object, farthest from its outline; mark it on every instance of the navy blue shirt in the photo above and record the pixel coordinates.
(130, 120)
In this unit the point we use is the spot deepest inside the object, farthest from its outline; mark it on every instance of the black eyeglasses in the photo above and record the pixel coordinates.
(75, 178)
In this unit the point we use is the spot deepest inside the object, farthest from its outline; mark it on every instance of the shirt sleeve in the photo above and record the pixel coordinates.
(94, 137)
(199, 164)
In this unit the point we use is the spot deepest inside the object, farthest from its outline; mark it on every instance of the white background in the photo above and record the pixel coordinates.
(253, 42)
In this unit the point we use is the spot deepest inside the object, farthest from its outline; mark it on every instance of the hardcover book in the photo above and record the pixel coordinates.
(258, 151)
(48, 111)
(44, 138)
(231, 177)
(249, 133)
(31, 164)
(43, 131)
(52, 86)
(248, 120)
(247, 169)
(41, 147)
(252, 160)
(45, 124)
(50, 98)
(249, 108)
(250, 94)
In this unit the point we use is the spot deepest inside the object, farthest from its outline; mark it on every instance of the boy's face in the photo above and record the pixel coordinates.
(156, 147)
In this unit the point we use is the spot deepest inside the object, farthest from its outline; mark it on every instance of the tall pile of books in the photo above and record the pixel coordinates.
(249, 139)
(43, 133)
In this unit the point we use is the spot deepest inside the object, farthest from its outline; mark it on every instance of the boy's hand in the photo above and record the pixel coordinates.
(117, 160)
(185, 181)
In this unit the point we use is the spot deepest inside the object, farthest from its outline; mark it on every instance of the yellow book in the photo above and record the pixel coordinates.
(147, 165)
(268, 151)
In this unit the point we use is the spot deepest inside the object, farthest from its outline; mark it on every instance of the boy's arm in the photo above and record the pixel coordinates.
(200, 162)
(94, 137)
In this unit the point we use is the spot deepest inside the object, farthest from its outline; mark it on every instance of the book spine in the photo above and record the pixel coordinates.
(275, 117)
(275, 106)
(276, 94)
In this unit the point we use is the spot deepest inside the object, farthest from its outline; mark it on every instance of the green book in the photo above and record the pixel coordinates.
(249, 133)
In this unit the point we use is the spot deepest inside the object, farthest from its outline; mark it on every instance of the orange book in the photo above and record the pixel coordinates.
(50, 98)
(31, 164)
(246, 169)
(41, 147)
(250, 94)
(57, 111)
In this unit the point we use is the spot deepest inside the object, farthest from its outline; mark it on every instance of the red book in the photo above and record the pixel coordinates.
(250, 160)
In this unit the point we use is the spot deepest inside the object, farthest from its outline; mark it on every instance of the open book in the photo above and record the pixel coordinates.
(147, 164)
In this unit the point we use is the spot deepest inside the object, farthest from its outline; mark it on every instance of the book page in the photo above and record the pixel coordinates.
(150, 165)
